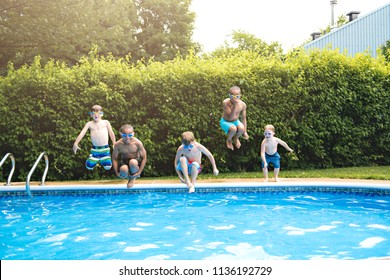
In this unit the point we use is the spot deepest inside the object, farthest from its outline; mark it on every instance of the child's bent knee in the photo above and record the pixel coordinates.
(232, 128)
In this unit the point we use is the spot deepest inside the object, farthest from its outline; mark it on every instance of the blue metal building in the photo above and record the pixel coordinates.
(364, 34)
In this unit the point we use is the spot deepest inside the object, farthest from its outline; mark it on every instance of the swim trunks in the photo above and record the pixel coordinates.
(127, 161)
(190, 164)
(274, 159)
(99, 155)
(225, 125)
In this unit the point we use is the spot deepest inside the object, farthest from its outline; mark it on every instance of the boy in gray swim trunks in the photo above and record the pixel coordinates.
(269, 152)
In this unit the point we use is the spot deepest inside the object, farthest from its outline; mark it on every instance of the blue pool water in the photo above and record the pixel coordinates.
(172, 226)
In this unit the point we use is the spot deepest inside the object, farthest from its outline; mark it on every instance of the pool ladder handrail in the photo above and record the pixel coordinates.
(11, 156)
(43, 154)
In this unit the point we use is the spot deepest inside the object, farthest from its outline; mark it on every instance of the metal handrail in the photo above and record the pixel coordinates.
(11, 156)
(43, 154)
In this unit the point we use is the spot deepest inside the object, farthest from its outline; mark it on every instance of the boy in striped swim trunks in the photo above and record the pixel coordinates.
(100, 130)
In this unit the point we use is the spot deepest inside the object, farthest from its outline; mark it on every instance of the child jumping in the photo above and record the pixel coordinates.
(100, 130)
(269, 152)
(188, 160)
(230, 122)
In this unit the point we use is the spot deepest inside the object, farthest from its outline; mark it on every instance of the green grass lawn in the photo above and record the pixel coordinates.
(374, 173)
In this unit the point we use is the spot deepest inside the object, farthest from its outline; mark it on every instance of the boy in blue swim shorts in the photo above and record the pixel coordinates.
(269, 152)
(100, 131)
(230, 123)
(188, 160)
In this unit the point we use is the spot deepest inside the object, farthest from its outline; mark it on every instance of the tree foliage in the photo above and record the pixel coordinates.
(242, 41)
(65, 30)
(385, 50)
(164, 28)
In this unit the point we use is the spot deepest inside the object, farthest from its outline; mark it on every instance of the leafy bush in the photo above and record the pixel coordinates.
(331, 109)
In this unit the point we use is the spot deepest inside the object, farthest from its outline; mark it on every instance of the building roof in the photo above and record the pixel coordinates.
(364, 34)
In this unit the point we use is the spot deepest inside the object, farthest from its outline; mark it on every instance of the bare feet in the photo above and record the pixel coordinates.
(191, 188)
(229, 144)
(265, 180)
(237, 142)
(277, 180)
(130, 183)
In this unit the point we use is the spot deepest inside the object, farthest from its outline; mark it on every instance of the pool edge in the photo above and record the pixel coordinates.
(297, 186)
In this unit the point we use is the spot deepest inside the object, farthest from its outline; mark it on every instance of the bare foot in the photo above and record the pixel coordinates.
(277, 180)
(237, 142)
(246, 136)
(229, 144)
(191, 188)
(265, 180)
(130, 183)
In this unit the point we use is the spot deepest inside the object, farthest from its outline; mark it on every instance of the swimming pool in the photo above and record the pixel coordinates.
(226, 221)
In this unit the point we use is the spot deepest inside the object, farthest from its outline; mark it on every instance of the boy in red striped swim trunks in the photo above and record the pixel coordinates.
(189, 158)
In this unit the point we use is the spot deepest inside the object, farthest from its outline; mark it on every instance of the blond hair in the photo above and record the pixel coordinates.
(95, 108)
(187, 137)
(269, 127)
(234, 88)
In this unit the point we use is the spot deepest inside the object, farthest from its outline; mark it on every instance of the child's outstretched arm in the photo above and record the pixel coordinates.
(284, 144)
(207, 153)
(80, 137)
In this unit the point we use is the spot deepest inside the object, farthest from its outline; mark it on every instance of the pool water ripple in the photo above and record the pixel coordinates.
(171, 226)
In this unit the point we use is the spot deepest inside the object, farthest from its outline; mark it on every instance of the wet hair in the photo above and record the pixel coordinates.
(269, 127)
(126, 126)
(187, 137)
(96, 108)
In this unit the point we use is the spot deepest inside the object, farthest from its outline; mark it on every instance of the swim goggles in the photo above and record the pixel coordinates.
(267, 133)
(235, 96)
(124, 135)
(96, 113)
(188, 146)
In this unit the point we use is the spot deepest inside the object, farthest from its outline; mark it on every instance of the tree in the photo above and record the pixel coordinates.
(164, 28)
(65, 30)
(241, 41)
(385, 50)
(341, 20)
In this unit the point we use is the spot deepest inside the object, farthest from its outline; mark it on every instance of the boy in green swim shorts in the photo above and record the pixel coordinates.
(100, 130)
(233, 107)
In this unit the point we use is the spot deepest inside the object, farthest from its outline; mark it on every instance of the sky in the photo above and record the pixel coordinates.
(289, 22)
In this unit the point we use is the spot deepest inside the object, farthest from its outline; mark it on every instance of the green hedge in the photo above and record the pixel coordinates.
(331, 109)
